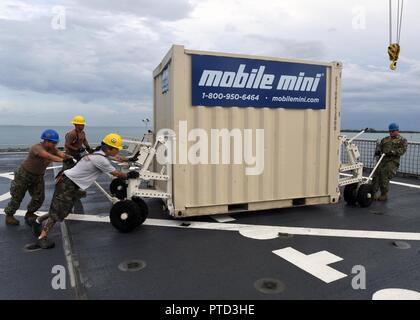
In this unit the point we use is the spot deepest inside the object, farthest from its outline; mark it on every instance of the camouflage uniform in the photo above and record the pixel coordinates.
(393, 148)
(75, 139)
(22, 182)
(65, 194)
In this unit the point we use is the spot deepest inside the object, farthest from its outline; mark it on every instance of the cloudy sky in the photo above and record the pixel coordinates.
(100, 63)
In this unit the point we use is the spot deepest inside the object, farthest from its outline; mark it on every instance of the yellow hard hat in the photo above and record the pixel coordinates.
(78, 120)
(113, 140)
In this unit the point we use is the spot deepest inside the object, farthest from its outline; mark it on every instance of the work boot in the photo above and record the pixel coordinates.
(44, 243)
(383, 197)
(375, 192)
(36, 228)
(12, 221)
(30, 217)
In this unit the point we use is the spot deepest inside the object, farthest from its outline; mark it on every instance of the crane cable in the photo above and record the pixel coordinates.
(394, 48)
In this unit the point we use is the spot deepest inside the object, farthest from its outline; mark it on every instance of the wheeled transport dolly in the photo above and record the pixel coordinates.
(292, 106)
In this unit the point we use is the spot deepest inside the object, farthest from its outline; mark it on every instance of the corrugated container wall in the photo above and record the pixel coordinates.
(301, 143)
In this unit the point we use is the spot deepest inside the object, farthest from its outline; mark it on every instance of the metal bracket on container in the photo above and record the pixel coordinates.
(148, 193)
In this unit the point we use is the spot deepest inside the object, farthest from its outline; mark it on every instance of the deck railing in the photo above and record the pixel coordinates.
(409, 163)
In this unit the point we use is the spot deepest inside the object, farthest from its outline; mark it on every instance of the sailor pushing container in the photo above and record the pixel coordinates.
(71, 182)
(29, 177)
(76, 142)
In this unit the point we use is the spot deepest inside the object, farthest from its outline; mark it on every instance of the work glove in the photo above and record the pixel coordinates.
(133, 175)
(81, 150)
(90, 150)
(68, 159)
(134, 158)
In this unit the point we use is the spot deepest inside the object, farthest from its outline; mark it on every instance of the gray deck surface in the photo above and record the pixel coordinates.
(191, 263)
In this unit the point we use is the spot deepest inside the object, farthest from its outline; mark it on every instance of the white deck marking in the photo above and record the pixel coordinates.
(5, 196)
(11, 175)
(405, 184)
(222, 218)
(316, 264)
(68, 254)
(409, 185)
(7, 175)
(54, 167)
(396, 294)
(259, 232)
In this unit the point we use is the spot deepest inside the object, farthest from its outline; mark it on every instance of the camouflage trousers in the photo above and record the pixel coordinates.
(25, 181)
(383, 174)
(66, 193)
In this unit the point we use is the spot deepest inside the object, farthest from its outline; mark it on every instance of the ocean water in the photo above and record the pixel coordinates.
(24, 136)
(411, 137)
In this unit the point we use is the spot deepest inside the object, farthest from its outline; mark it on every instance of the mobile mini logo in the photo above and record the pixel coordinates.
(256, 78)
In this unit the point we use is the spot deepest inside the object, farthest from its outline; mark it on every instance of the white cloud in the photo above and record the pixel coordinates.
(164, 9)
(102, 63)
(21, 10)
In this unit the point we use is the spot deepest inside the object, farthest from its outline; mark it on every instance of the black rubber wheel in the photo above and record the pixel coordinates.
(133, 175)
(126, 215)
(350, 195)
(118, 188)
(143, 208)
(365, 195)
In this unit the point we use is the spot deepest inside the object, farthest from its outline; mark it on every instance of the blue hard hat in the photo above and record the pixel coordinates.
(393, 127)
(50, 135)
